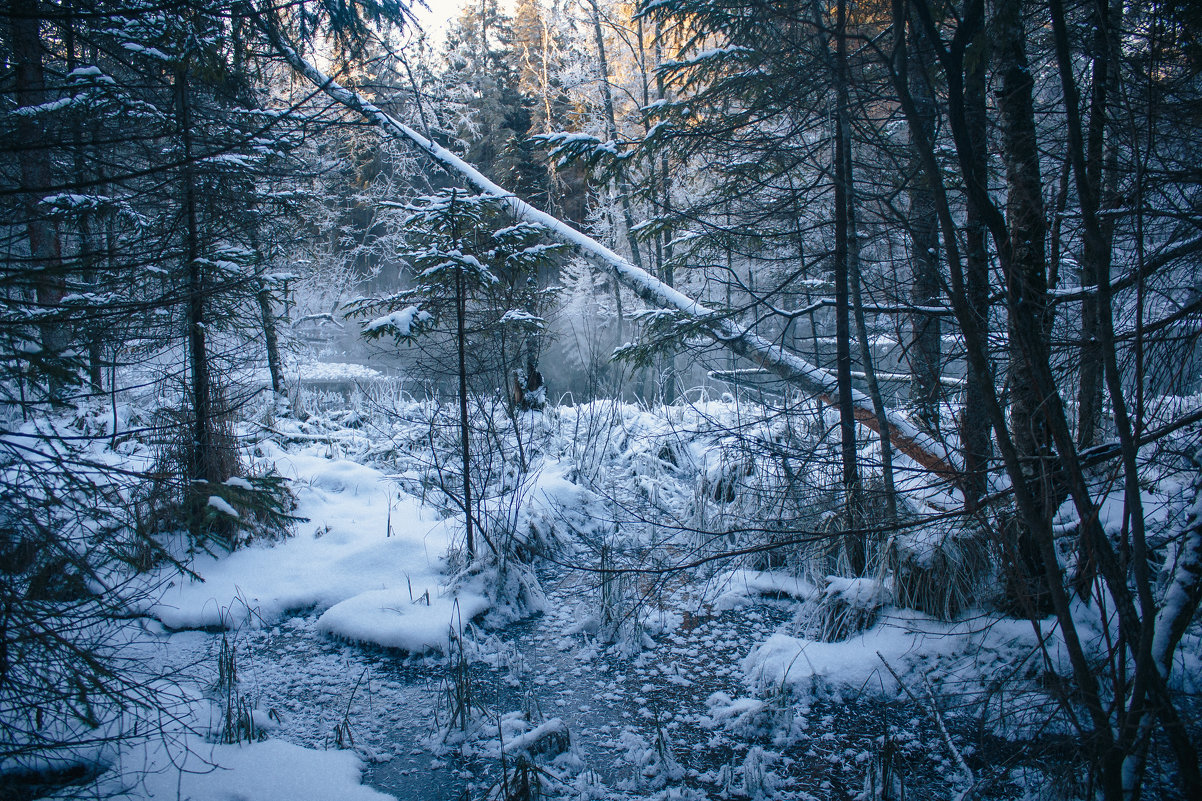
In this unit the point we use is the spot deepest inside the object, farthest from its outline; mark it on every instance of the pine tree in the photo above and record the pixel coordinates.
(483, 71)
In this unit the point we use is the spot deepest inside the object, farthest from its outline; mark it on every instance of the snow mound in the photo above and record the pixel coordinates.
(361, 537)
(267, 771)
(742, 585)
(391, 619)
(342, 475)
(784, 661)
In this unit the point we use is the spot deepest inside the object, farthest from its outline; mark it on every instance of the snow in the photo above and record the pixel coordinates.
(394, 619)
(861, 593)
(524, 741)
(336, 371)
(317, 373)
(177, 756)
(222, 505)
(45, 108)
(231, 159)
(153, 52)
(743, 584)
(855, 663)
(1183, 589)
(72, 200)
(521, 317)
(361, 538)
(398, 323)
(708, 54)
(367, 568)
(266, 771)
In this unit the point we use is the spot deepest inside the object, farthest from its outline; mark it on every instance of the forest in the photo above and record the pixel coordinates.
(585, 399)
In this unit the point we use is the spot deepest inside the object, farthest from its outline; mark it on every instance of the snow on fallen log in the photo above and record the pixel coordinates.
(904, 435)
(1184, 591)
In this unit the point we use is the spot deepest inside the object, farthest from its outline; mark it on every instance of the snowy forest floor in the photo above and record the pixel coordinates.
(333, 646)
(620, 709)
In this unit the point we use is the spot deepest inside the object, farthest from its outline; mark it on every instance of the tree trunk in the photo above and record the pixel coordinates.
(1026, 295)
(464, 429)
(45, 250)
(667, 270)
(271, 339)
(85, 266)
(1095, 253)
(926, 341)
(974, 420)
(204, 463)
(465, 439)
(874, 391)
(855, 546)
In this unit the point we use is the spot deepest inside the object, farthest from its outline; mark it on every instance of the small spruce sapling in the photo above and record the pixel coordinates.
(475, 303)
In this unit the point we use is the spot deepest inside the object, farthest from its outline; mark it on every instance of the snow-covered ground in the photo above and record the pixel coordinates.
(368, 557)
(359, 654)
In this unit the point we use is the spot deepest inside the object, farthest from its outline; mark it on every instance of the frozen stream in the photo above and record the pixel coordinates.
(323, 691)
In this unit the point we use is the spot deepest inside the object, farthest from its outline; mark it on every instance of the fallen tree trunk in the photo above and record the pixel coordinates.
(794, 370)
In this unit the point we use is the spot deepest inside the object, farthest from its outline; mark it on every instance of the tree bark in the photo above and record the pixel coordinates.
(1026, 303)
(974, 420)
(270, 339)
(854, 544)
(464, 422)
(204, 461)
(667, 270)
(874, 390)
(45, 249)
(1096, 251)
(464, 429)
(926, 337)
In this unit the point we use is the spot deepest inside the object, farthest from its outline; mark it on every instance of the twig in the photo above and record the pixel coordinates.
(965, 793)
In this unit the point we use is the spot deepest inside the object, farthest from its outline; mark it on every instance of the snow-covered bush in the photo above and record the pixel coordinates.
(940, 570)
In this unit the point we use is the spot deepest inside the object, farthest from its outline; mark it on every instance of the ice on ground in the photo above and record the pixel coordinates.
(362, 537)
(394, 619)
